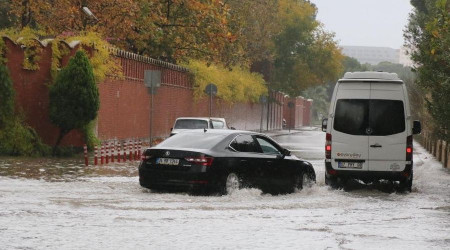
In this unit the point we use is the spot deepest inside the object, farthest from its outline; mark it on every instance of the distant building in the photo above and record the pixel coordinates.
(372, 55)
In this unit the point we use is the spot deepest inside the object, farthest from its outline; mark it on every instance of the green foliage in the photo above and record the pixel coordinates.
(5, 22)
(3, 59)
(28, 38)
(320, 101)
(58, 51)
(15, 137)
(21, 140)
(236, 85)
(102, 61)
(74, 97)
(428, 37)
(351, 64)
(89, 135)
(6, 96)
(305, 55)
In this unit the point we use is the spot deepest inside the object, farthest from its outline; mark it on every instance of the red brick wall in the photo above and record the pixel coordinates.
(32, 93)
(298, 115)
(307, 112)
(125, 104)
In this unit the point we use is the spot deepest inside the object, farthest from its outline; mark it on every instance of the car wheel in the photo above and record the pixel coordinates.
(232, 183)
(303, 180)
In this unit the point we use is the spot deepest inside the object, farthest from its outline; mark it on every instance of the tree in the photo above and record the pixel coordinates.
(177, 30)
(6, 96)
(5, 21)
(305, 55)
(74, 97)
(428, 38)
(115, 19)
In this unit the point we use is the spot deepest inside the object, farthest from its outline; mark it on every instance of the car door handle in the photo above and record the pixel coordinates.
(376, 145)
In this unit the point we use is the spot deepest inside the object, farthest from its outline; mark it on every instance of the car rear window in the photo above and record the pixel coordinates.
(245, 143)
(193, 140)
(190, 124)
(369, 117)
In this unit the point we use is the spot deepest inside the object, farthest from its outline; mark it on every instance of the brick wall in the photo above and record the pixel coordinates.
(32, 93)
(125, 104)
(300, 114)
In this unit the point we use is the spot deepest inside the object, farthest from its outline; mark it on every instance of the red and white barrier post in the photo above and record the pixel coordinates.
(139, 149)
(96, 156)
(102, 154)
(130, 148)
(113, 151)
(124, 151)
(86, 160)
(107, 153)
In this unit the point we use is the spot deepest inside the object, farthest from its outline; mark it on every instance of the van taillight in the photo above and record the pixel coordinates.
(328, 146)
(409, 148)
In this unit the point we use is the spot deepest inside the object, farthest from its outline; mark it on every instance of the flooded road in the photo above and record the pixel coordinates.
(60, 204)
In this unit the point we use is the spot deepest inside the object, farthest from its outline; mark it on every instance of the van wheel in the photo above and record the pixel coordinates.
(406, 185)
(333, 182)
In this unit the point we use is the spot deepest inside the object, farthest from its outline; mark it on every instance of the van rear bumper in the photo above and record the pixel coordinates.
(368, 176)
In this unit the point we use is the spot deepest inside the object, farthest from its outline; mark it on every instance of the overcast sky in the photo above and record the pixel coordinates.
(365, 22)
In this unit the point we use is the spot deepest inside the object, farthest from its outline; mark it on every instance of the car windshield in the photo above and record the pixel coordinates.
(192, 140)
(190, 124)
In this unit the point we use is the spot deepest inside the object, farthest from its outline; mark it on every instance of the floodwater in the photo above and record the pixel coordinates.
(61, 204)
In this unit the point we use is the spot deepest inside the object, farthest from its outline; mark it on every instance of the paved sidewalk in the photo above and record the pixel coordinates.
(275, 133)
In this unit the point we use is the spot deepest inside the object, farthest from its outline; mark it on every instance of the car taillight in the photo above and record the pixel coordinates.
(409, 148)
(202, 160)
(328, 146)
(145, 157)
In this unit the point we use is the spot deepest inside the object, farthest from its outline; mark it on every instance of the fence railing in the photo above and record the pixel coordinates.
(438, 148)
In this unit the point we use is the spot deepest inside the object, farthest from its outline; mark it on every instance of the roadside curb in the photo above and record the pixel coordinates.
(276, 133)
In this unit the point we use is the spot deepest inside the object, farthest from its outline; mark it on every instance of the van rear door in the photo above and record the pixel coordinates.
(387, 140)
(349, 138)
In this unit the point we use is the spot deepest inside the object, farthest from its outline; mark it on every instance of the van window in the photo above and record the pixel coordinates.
(369, 117)
(387, 117)
(351, 116)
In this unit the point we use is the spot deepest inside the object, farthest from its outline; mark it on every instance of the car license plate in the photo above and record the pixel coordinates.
(167, 161)
(350, 164)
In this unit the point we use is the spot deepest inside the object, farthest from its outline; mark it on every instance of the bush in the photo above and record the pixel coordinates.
(15, 137)
(21, 140)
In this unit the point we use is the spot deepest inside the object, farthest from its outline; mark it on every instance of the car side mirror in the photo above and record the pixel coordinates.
(284, 152)
(324, 124)
(417, 128)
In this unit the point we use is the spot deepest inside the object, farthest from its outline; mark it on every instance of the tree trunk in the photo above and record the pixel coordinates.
(446, 151)
(439, 153)
(62, 133)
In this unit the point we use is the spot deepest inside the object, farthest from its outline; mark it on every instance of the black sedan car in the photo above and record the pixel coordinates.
(223, 161)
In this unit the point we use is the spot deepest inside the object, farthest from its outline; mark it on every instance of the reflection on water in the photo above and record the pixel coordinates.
(55, 169)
